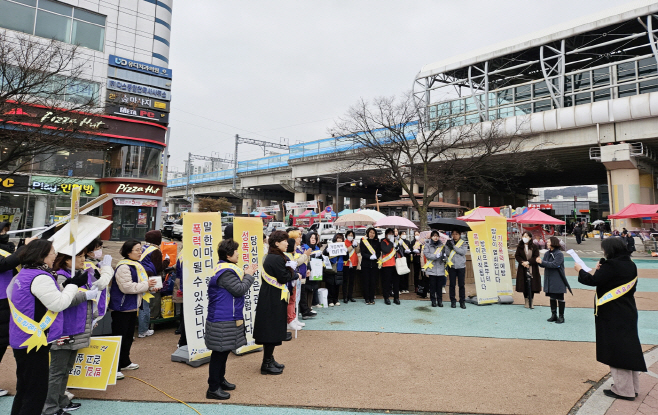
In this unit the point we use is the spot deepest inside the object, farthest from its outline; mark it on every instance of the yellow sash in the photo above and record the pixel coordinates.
(367, 244)
(452, 254)
(89, 264)
(417, 245)
(387, 257)
(613, 294)
(429, 263)
(141, 273)
(404, 244)
(227, 265)
(147, 251)
(38, 338)
(285, 293)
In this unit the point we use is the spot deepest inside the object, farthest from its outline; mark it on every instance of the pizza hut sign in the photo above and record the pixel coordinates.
(126, 188)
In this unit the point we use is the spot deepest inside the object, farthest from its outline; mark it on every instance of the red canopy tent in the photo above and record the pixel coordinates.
(537, 217)
(636, 210)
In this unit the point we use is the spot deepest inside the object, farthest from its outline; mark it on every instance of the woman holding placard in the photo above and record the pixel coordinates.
(311, 286)
(334, 277)
(270, 324)
(225, 330)
(130, 285)
(390, 278)
(370, 252)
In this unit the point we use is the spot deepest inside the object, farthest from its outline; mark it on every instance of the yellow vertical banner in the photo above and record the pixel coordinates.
(202, 232)
(95, 366)
(75, 212)
(248, 233)
(497, 242)
(485, 285)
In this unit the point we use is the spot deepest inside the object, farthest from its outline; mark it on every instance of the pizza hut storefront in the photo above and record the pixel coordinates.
(134, 210)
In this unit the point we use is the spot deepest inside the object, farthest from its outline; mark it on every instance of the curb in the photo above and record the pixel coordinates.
(598, 403)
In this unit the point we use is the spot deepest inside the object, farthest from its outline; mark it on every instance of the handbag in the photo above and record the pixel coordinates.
(401, 266)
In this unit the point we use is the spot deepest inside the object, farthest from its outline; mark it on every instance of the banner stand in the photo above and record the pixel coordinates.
(182, 355)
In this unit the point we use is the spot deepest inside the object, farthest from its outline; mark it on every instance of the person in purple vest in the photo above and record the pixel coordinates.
(77, 326)
(9, 264)
(153, 263)
(36, 301)
(225, 330)
(129, 285)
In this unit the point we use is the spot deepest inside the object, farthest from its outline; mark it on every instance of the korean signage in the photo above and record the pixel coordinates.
(63, 186)
(485, 285)
(95, 366)
(202, 232)
(139, 66)
(541, 206)
(136, 101)
(273, 208)
(336, 249)
(143, 113)
(138, 78)
(148, 91)
(248, 232)
(119, 201)
(14, 183)
(497, 239)
(302, 205)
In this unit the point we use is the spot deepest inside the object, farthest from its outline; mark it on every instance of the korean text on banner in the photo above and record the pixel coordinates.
(248, 233)
(202, 232)
(95, 366)
(485, 286)
(497, 227)
(337, 249)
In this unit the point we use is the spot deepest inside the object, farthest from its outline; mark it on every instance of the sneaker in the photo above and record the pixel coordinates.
(306, 316)
(313, 312)
(120, 376)
(147, 333)
(295, 325)
(300, 323)
(337, 303)
(73, 406)
(331, 304)
(3, 392)
(291, 326)
(69, 395)
(132, 366)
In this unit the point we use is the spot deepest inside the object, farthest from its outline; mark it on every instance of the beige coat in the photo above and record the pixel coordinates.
(125, 283)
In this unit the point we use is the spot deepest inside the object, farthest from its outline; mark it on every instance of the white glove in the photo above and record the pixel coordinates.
(350, 264)
(106, 261)
(373, 257)
(406, 251)
(92, 294)
(416, 251)
(167, 257)
(291, 264)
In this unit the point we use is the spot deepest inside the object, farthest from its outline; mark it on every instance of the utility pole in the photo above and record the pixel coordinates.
(187, 174)
(260, 143)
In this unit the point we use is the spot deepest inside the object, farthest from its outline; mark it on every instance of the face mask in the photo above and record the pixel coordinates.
(391, 238)
(417, 236)
(98, 254)
(404, 237)
(350, 238)
(526, 240)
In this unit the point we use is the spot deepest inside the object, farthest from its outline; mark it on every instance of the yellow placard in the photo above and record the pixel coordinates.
(485, 285)
(248, 232)
(497, 242)
(202, 233)
(95, 366)
(75, 212)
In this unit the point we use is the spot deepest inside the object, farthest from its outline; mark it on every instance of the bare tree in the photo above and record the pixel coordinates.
(45, 104)
(411, 148)
(220, 204)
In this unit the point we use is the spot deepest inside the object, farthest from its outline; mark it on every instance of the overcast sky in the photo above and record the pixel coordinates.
(272, 69)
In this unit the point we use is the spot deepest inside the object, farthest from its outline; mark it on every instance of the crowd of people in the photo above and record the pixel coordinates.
(50, 302)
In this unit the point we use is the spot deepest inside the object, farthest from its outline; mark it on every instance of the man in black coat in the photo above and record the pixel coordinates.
(617, 341)
(578, 233)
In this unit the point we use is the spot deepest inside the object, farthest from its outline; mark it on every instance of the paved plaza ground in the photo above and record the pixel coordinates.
(498, 359)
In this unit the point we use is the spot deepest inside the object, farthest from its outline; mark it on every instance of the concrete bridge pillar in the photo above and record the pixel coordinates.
(340, 204)
(247, 206)
(467, 199)
(299, 197)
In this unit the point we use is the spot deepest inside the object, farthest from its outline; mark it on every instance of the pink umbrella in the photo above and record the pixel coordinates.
(395, 222)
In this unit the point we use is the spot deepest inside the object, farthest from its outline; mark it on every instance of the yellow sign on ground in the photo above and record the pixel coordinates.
(95, 366)
(248, 233)
(485, 284)
(202, 232)
(497, 242)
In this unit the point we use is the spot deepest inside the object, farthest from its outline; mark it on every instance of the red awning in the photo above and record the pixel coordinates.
(537, 217)
(636, 210)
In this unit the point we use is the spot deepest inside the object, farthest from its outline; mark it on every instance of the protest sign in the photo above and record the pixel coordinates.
(95, 366)
(316, 269)
(485, 286)
(248, 233)
(497, 241)
(336, 249)
(202, 232)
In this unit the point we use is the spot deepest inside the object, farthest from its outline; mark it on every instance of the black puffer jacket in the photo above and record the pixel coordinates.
(5, 245)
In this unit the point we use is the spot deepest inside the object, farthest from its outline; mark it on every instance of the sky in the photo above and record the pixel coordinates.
(286, 70)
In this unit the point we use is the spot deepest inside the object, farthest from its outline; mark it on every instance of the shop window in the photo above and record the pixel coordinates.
(133, 161)
(17, 17)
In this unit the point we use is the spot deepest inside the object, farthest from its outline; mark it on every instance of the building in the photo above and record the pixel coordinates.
(126, 44)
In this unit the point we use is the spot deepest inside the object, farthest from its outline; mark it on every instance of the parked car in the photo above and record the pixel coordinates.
(274, 226)
(167, 228)
(177, 230)
(326, 230)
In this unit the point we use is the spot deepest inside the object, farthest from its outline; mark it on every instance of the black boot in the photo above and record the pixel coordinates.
(530, 306)
(345, 300)
(560, 319)
(352, 300)
(440, 301)
(462, 304)
(453, 304)
(268, 368)
(226, 385)
(277, 364)
(387, 301)
(218, 394)
(433, 303)
(553, 311)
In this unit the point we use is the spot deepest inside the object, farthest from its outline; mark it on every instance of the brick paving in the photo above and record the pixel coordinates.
(647, 401)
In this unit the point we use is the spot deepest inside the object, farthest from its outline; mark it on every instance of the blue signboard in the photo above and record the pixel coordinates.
(148, 91)
(139, 66)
